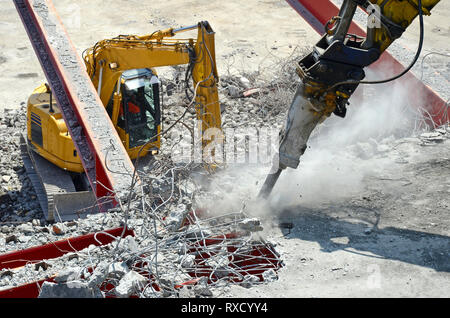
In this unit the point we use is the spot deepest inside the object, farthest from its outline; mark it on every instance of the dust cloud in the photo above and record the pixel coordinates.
(340, 155)
(341, 151)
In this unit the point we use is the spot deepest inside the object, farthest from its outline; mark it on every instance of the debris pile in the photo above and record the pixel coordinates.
(18, 201)
(178, 250)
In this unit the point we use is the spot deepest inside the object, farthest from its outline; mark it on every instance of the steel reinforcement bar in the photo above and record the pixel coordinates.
(318, 12)
(104, 158)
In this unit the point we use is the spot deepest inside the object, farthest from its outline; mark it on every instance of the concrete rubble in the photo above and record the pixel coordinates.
(175, 185)
(68, 290)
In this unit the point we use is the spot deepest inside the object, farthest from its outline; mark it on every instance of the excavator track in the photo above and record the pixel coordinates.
(55, 189)
(36, 182)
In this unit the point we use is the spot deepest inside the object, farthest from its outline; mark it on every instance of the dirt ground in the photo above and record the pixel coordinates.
(387, 237)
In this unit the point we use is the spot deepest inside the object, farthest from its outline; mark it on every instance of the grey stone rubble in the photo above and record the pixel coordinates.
(431, 68)
(17, 197)
(114, 263)
(68, 290)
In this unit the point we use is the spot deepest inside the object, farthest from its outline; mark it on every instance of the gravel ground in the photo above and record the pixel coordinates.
(17, 196)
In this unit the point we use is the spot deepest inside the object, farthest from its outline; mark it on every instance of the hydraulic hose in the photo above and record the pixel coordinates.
(419, 50)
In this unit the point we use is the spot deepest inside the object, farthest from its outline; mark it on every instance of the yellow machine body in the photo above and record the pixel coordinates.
(47, 132)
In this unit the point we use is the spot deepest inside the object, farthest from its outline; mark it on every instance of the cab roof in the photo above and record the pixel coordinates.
(135, 73)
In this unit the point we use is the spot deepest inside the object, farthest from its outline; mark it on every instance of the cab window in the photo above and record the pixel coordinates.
(140, 110)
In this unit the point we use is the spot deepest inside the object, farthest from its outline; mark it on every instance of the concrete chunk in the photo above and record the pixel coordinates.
(130, 283)
(251, 224)
(74, 290)
(118, 269)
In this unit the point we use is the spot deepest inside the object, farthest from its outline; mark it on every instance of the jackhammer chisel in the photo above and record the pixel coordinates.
(301, 120)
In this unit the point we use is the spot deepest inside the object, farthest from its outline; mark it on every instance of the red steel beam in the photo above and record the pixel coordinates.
(57, 249)
(318, 12)
(30, 290)
(52, 250)
(104, 158)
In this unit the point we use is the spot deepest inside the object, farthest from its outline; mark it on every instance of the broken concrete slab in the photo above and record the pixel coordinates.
(68, 290)
(130, 283)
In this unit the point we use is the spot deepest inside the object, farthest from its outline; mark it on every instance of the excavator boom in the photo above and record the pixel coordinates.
(108, 59)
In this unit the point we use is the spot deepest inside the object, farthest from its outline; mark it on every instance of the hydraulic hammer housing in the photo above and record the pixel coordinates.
(331, 73)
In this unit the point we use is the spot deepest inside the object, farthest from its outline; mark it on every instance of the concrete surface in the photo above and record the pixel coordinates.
(245, 33)
(386, 237)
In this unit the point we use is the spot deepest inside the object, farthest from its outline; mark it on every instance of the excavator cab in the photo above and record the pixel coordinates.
(139, 118)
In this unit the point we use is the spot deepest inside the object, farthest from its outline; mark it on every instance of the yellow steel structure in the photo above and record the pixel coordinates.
(106, 63)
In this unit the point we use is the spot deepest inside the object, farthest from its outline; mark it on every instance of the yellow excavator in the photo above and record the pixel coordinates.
(123, 71)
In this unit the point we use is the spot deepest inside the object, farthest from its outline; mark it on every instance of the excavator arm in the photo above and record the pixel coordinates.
(334, 69)
(108, 59)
